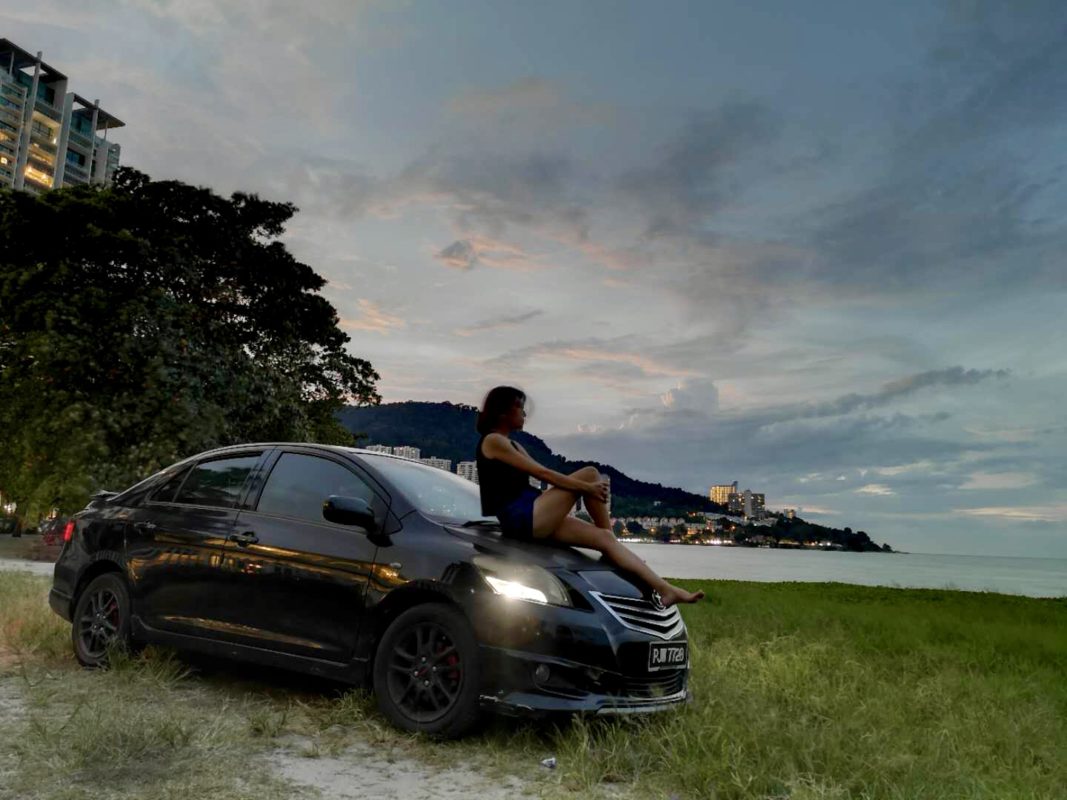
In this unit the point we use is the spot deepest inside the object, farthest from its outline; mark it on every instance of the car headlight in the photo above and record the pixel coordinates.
(522, 581)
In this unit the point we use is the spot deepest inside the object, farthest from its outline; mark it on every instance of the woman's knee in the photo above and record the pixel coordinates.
(589, 473)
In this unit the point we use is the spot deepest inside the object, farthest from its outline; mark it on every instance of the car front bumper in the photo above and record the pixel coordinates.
(512, 685)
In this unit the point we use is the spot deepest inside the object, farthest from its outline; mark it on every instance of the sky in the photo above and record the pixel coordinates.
(816, 248)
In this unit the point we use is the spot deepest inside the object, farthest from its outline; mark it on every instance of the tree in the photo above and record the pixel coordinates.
(148, 320)
(635, 527)
(618, 528)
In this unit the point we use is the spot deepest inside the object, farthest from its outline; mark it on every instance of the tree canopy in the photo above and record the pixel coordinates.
(148, 320)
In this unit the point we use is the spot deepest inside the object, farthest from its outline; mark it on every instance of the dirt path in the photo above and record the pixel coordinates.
(21, 565)
(367, 772)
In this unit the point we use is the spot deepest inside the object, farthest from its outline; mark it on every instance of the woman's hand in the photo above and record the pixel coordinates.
(599, 490)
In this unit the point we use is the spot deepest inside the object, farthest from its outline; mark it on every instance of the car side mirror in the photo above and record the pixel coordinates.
(349, 511)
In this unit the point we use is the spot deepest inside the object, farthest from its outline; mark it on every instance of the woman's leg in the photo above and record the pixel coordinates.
(597, 508)
(581, 533)
(555, 504)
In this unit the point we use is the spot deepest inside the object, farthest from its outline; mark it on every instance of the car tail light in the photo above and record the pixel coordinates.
(68, 531)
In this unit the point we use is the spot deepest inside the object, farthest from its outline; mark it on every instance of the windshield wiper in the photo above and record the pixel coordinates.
(474, 523)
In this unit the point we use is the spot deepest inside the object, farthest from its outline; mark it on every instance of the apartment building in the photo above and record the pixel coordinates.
(720, 493)
(49, 137)
(439, 463)
(468, 470)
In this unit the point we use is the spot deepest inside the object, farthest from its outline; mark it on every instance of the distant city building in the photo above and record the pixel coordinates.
(379, 448)
(440, 463)
(720, 493)
(790, 513)
(754, 505)
(735, 503)
(468, 470)
(406, 452)
(48, 136)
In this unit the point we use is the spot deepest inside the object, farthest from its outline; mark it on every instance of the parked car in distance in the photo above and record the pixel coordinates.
(371, 569)
(51, 530)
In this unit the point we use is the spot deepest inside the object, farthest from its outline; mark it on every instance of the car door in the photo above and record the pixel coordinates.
(302, 580)
(176, 544)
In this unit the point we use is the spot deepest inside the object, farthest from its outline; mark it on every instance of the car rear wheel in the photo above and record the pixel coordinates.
(101, 617)
(426, 671)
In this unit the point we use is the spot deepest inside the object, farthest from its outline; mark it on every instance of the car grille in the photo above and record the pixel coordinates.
(640, 615)
(658, 686)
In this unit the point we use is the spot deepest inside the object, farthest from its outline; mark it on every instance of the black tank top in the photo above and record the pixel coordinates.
(498, 481)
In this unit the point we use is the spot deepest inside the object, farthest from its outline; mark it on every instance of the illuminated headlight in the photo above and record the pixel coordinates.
(522, 581)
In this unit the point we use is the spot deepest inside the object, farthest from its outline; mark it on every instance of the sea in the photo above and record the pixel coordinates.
(1031, 577)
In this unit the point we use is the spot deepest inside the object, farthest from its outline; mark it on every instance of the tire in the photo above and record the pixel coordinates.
(433, 644)
(101, 614)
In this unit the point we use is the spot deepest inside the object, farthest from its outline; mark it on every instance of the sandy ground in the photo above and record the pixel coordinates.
(36, 567)
(356, 773)
(366, 772)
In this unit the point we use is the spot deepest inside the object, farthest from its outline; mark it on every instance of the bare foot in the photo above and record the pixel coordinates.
(676, 595)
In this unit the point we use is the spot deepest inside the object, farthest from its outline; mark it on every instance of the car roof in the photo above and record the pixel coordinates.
(336, 448)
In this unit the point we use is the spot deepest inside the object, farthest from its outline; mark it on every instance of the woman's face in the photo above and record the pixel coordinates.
(518, 414)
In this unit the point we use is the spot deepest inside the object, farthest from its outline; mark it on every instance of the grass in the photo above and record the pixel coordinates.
(802, 691)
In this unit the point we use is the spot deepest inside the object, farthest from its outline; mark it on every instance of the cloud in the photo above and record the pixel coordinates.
(691, 177)
(700, 396)
(1036, 513)
(460, 254)
(819, 511)
(529, 101)
(877, 489)
(498, 323)
(963, 196)
(466, 253)
(372, 319)
(590, 353)
(987, 481)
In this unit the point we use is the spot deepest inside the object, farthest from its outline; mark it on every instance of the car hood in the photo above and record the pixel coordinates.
(549, 555)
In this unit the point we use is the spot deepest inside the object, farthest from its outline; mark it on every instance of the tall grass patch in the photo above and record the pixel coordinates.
(801, 691)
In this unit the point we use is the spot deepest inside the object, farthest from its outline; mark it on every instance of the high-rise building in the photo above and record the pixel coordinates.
(468, 470)
(406, 452)
(735, 503)
(720, 493)
(49, 137)
(379, 448)
(440, 463)
(754, 504)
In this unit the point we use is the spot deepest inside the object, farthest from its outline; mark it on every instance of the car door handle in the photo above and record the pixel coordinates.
(244, 539)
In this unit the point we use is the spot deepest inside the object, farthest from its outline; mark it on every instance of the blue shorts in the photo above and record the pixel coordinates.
(516, 518)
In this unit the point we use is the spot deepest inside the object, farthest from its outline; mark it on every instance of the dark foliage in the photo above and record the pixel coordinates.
(148, 320)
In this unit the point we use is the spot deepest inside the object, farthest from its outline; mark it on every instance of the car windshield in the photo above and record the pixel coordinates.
(432, 490)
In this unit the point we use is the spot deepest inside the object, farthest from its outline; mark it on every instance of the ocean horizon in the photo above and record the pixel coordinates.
(1029, 576)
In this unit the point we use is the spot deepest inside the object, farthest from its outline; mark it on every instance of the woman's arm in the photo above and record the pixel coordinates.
(498, 446)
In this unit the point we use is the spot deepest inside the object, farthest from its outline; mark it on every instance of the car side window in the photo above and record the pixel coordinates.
(216, 483)
(166, 492)
(299, 485)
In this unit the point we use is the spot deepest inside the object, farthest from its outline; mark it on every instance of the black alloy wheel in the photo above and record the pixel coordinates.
(426, 671)
(101, 617)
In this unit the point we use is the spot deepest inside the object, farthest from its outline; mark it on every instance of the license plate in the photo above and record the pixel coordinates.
(667, 655)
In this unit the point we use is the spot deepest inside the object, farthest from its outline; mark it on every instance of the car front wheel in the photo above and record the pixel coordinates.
(426, 671)
(101, 616)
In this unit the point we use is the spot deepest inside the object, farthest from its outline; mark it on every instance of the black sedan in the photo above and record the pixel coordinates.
(371, 569)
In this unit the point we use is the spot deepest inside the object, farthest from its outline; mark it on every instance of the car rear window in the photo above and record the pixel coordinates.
(166, 492)
(216, 483)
